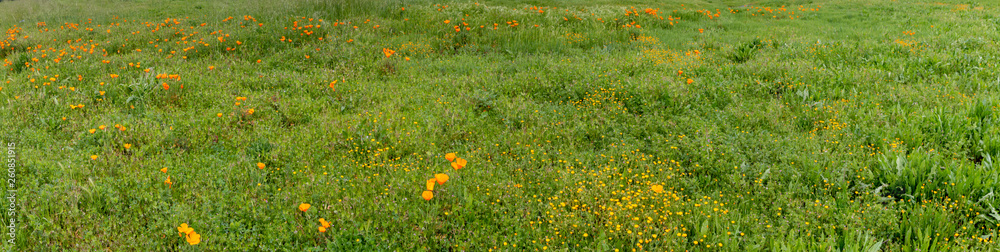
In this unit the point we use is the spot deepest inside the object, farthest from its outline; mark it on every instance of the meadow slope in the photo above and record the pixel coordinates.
(577, 125)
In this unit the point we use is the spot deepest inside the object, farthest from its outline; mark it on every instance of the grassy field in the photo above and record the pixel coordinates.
(585, 125)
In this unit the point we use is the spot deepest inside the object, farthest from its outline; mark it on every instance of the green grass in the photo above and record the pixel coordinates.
(821, 125)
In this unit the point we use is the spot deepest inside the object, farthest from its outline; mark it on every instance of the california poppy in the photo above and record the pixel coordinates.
(322, 229)
(93, 157)
(168, 182)
(184, 229)
(164, 170)
(690, 81)
(260, 165)
(458, 164)
(427, 195)
(658, 188)
(388, 52)
(193, 238)
(430, 184)
(303, 207)
(450, 156)
(441, 178)
(324, 223)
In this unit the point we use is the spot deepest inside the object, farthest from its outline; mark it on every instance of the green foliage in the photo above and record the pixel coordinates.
(769, 126)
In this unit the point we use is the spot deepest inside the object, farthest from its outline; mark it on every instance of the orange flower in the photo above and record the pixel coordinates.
(184, 229)
(701, 30)
(168, 182)
(388, 52)
(450, 156)
(427, 195)
(447, 21)
(303, 207)
(250, 111)
(690, 81)
(658, 188)
(102, 127)
(164, 170)
(458, 164)
(92, 131)
(332, 85)
(441, 178)
(165, 86)
(430, 184)
(322, 229)
(324, 223)
(93, 157)
(260, 165)
(128, 146)
(193, 238)
(218, 115)
(679, 72)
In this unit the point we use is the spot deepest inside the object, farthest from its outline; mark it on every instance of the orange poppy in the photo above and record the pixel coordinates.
(450, 156)
(93, 157)
(168, 182)
(427, 195)
(430, 184)
(658, 188)
(388, 52)
(459, 163)
(690, 81)
(322, 229)
(193, 238)
(441, 178)
(260, 165)
(303, 207)
(164, 170)
(184, 229)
